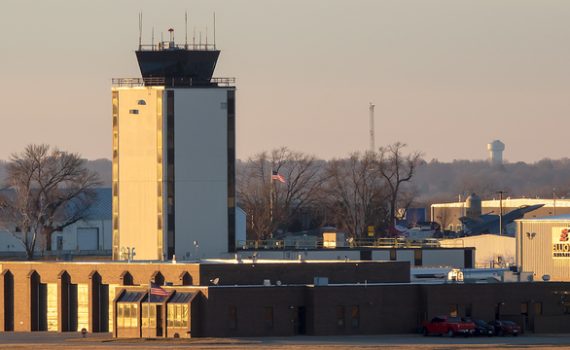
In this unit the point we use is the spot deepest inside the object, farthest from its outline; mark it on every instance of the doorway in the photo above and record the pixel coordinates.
(301, 321)
(159, 331)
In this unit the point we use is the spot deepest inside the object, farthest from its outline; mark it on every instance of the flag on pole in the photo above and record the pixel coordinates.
(156, 290)
(276, 176)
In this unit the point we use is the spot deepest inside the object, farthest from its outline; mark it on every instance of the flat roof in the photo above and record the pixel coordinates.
(556, 218)
(510, 203)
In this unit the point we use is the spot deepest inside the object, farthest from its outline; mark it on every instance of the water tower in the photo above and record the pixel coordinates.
(496, 149)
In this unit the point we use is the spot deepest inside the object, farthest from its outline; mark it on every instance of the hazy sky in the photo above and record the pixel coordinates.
(446, 76)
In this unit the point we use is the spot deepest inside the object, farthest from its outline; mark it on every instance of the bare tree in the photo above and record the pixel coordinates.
(397, 169)
(303, 183)
(47, 190)
(356, 192)
(255, 188)
(253, 191)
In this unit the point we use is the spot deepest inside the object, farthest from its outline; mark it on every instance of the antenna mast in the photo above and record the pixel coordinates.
(372, 138)
(186, 24)
(140, 31)
(214, 30)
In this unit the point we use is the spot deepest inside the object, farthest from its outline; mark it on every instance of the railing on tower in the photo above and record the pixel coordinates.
(171, 82)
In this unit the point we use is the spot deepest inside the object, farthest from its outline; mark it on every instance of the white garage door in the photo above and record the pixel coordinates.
(87, 238)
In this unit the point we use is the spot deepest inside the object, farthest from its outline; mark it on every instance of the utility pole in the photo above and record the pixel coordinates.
(554, 202)
(271, 189)
(501, 211)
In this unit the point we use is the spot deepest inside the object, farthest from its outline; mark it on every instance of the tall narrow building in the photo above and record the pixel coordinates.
(174, 156)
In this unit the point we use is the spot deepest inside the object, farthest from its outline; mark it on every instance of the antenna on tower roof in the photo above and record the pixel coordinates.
(214, 30)
(152, 38)
(140, 31)
(206, 47)
(194, 39)
(372, 138)
(186, 25)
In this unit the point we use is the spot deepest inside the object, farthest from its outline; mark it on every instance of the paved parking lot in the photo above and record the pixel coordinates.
(72, 341)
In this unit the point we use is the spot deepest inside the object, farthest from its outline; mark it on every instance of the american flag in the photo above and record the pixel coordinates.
(156, 290)
(276, 176)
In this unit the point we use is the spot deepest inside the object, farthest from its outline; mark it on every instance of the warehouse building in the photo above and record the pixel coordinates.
(543, 247)
(448, 215)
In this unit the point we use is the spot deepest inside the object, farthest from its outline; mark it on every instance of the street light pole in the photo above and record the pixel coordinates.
(500, 212)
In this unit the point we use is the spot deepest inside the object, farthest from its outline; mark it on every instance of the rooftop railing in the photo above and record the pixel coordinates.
(171, 82)
(308, 243)
(167, 45)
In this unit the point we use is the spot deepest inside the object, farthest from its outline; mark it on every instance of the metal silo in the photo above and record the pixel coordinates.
(473, 206)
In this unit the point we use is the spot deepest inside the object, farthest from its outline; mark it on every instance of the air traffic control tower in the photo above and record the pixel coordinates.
(174, 156)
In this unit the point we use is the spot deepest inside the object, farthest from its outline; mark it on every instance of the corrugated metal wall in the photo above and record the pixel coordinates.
(534, 249)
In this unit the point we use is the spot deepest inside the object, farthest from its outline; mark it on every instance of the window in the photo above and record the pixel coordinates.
(120, 316)
(355, 316)
(453, 310)
(133, 111)
(538, 308)
(524, 308)
(232, 317)
(178, 314)
(141, 102)
(469, 310)
(134, 315)
(127, 315)
(170, 316)
(268, 317)
(340, 316)
(184, 315)
(146, 318)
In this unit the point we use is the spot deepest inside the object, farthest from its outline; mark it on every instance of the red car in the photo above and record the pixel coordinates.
(448, 325)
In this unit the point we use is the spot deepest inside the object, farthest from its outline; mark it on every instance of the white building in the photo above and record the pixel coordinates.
(174, 157)
(91, 236)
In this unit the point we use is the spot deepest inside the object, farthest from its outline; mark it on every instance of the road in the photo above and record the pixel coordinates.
(73, 341)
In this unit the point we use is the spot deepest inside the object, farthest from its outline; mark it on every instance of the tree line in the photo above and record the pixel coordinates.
(354, 194)
(45, 189)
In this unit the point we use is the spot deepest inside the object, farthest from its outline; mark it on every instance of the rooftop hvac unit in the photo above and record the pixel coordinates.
(321, 281)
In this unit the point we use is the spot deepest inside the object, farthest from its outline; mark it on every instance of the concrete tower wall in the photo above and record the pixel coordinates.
(137, 172)
(201, 172)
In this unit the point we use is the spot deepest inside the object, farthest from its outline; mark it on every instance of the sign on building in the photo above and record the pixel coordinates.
(560, 242)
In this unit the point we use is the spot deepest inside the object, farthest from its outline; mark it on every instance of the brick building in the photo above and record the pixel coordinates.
(261, 299)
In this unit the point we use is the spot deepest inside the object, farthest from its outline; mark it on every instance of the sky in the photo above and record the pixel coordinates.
(446, 76)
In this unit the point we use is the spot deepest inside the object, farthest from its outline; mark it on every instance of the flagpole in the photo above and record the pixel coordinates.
(148, 307)
(271, 204)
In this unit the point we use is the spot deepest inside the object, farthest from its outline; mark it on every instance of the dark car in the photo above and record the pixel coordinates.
(483, 328)
(505, 327)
